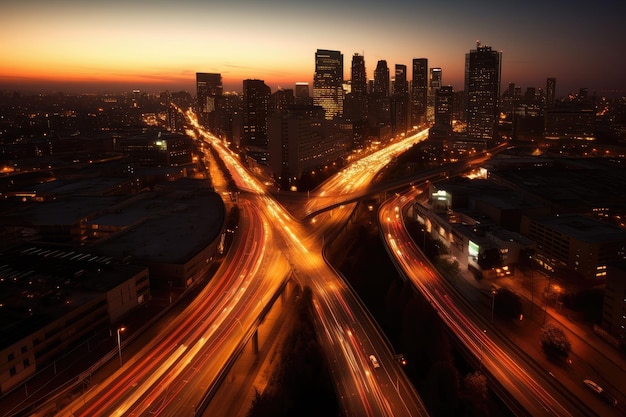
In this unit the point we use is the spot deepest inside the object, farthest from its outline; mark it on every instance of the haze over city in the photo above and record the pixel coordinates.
(77, 46)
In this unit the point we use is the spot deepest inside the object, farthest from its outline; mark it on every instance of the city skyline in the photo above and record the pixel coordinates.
(74, 46)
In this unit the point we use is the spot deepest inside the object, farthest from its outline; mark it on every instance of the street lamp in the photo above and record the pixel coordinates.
(493, 299)
(557, 289)
(119, 343)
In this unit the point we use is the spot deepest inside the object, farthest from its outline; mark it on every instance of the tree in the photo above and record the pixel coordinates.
(555, 342)
(507, 304)
(476, 393)
(490, 259)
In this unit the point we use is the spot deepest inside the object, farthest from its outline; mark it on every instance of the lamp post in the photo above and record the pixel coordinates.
(493, 299)
(119, 343)
(547, 295)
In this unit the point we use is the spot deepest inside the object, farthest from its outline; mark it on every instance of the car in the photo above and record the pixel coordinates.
(374, 361)
(609, 398)
(593, 386)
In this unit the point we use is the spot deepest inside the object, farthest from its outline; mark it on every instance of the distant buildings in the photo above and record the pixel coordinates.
(157, 148)
(572, 119)
(482, 90)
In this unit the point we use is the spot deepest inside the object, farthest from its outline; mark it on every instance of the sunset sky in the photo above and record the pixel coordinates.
(117, 45)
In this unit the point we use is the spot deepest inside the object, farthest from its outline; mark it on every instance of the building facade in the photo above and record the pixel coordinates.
(328, 82)
(208, 93)
(482, 89)
(256, 102)
(419, 91)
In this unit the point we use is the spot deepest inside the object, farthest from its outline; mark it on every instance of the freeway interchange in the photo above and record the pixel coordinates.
(171, 375)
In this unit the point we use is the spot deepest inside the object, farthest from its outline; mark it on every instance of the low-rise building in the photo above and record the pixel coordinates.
(51, 298)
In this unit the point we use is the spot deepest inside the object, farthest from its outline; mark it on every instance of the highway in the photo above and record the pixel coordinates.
(524, 383)
(170, 375)
(346, 330)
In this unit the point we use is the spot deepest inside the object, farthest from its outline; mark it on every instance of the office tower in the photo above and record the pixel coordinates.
(419, 91)
(302, 94)
(328, 82)
(443, 113)
(208, 93)
(208, 87)
(436, 77)
(550, 91)
(381, 79)
(302, 141)
(359, 78)
(399, 107)
(355, 104)
(400, 85)
(434, 83)
(482, 89)
(444, 101)
(280, 101)
(256, 99)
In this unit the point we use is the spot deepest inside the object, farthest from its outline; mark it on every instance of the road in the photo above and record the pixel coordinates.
(170, 375)
(524, 382)
(347, 331)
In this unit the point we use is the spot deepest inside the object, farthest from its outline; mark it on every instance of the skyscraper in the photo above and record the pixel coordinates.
(550, 91)
(444, 100)
(482, 89)
(400, 85)
(256, 99)
(359, 78)
(434, 83)
(381, 79)
(302, 94)
(328, 82)
(208, 93)
(355, 104)
(419, 91)
(208, 87)
(399, 108)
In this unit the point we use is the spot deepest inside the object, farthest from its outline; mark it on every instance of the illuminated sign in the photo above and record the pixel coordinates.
(473, 248)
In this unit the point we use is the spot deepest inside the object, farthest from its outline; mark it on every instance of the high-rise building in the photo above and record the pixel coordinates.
(328, 82)
(436, 78)
(400, 84)
(399, 108)
(419, 91)
(359, 78)
(379, 106)
(482, 89)
(256, 100)
(302, 94)
(208, 93)
(443, 113)
(355, 104)
(434, 83)
(444, 101)
(280, 101)
(208, 87)
(550, 91)
(302, 140)
(381, 79)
